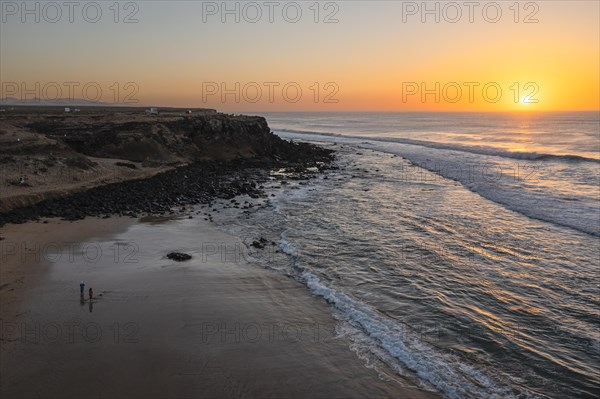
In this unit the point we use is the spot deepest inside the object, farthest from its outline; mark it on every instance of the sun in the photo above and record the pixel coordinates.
(525, 103)
(528, 102)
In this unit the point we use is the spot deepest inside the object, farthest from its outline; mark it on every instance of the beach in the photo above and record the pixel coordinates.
(215, 326)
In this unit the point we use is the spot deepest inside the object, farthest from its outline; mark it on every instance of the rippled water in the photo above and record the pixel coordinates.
(544, 166)
(437, 282)
(520, 135)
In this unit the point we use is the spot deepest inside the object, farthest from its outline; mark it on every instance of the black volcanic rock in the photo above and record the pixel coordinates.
(179, 257)
(197, 183)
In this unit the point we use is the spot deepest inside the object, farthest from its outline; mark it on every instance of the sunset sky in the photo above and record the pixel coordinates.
(377, 56)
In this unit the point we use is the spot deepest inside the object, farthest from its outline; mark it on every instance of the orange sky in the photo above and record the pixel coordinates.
(379, 55)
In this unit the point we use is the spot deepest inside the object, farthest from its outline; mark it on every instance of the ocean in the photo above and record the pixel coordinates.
(459, 252)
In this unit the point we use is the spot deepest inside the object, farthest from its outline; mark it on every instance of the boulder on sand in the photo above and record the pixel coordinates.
(179, 257)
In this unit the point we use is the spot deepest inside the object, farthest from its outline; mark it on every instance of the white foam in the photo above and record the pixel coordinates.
(475, 149)
(443, 371)
(562, 193)
(446, 372)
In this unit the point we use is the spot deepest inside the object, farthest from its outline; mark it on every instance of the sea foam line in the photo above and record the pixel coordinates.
(480, 150)
(454, 378)
(510, 194)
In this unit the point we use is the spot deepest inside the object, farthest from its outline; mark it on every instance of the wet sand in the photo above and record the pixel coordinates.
(216, 326)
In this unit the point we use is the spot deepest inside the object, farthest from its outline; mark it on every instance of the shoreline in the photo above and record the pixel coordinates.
(211, 327)
(214, 326)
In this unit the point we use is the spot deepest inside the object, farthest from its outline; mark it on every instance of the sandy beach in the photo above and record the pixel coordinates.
(214, 326)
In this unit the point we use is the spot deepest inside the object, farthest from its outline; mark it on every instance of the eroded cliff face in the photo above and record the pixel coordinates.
(225, 137)
(164, 139)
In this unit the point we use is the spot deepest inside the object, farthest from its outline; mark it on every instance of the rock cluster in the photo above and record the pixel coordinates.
(197, 183)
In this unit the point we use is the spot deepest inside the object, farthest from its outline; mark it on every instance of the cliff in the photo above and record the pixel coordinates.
(47, 153)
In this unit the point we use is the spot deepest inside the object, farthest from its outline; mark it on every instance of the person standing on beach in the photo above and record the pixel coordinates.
(81, 287)
(91, 293)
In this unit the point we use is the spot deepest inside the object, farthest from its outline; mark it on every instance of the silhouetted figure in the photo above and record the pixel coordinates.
(91, 293)
(81, 287)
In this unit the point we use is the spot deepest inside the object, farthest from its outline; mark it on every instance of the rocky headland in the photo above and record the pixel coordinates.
(102, 162)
